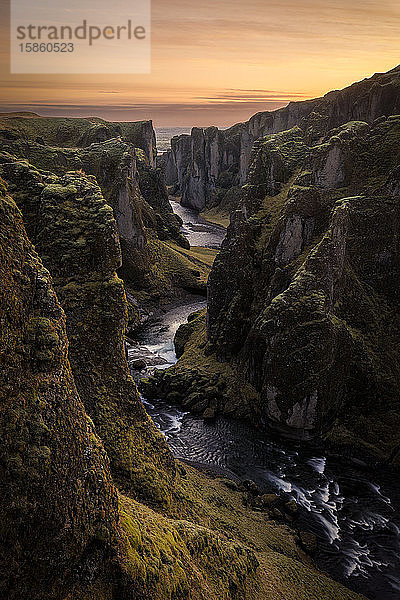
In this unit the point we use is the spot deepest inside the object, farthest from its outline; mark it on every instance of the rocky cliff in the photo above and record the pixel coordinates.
(303, 298)
(130, 184)
(209, 163)
(204, 166)
(66, 531)
(58, 503)
(64, 132)
(74, 232)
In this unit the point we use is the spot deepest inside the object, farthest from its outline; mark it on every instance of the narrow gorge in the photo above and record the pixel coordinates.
(199, 357)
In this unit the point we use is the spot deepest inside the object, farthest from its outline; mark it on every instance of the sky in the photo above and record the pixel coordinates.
(218, 62)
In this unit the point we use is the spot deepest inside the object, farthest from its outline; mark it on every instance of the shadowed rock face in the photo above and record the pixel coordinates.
(58, 503)
(166, 163)
(157, 210)
(130, 185)
(75, 233)
(209, 162)
(300, 350)
(204, 165)
(301, 329)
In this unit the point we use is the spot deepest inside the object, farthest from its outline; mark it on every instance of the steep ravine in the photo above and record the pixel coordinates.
(93, 504)
(349, 507)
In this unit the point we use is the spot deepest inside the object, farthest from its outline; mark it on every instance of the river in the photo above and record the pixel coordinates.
(353, 511)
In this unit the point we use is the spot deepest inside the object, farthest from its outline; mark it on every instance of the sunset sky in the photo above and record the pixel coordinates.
(218, 62)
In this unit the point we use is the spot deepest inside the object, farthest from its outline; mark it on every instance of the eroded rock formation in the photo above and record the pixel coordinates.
(209, 163)
(303, 298)
(58, 503)
(130, 184)
(74, 232)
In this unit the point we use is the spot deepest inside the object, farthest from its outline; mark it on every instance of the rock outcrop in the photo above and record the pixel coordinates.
(131, 186)
(203, 166)
(58, 503)
(75, 233)
(210, 163)
(166, 163)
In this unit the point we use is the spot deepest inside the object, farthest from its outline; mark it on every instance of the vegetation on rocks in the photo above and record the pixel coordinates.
(302, 299)
(66, 132)
(130, 185)
(66, 530)
(55, 478)
(76, 236)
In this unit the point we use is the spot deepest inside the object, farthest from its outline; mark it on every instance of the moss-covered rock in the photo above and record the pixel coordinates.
(75, 233)
(302, 299)
(205, 165)
(58, 503)
(65, 132)
(135, 191)
(184, 332)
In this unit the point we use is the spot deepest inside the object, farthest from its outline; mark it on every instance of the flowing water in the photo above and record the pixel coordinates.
(197, 230)
(353, 510)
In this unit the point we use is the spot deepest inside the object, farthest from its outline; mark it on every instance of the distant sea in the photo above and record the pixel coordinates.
(165, 134)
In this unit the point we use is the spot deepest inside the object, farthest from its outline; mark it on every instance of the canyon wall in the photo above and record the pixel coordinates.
(75, 233)
(93, 504)
(134, 189)
(207, 164)
(302, 317)
(58, 503)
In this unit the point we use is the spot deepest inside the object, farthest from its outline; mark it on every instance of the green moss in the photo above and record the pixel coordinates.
(76, 235)
(176, 559)
(211, 543)
(59, 191)
(76, 132)
(42, 342)
(52, 497)
(270, 213)
(199, 379)
(173, 266)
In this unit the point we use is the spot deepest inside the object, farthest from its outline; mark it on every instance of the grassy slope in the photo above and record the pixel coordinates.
(217, 216)
(211, 540)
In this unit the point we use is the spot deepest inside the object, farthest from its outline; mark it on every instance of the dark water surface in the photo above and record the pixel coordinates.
(197, 230)
(353, 511)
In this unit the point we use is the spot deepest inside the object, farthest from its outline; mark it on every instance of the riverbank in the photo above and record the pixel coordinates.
(349, 508)
(199, 230)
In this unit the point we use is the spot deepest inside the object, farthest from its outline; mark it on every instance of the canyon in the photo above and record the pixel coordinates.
(295, 335)
(302, 298)
(208, 165)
